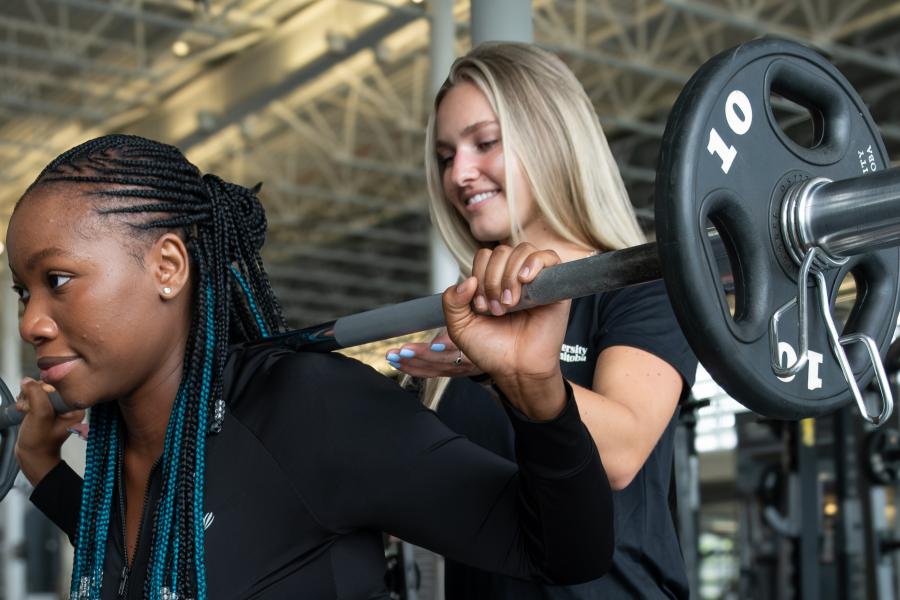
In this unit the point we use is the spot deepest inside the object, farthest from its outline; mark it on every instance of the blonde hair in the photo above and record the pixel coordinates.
(550, 130)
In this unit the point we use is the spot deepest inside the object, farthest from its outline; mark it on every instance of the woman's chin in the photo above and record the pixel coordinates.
(489, 234)
(79, 400)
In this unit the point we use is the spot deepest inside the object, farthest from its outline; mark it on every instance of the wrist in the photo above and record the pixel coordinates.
(35, 466)
(539, 399)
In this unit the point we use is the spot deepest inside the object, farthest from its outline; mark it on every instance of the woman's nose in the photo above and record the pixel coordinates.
(465, 169)
(37, 325)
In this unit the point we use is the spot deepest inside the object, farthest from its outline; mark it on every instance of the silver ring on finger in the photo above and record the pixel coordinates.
(458, 360)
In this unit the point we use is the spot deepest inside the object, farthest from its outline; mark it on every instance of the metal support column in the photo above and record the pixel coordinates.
(490, 20)
(444, 270)
(502, 20)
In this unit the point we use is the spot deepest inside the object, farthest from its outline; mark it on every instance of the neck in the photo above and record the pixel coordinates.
(541, 236)
(146, 411)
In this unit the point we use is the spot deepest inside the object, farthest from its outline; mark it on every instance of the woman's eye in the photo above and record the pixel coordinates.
(487, 145)
(445, 160)
(56, 280)
(21, 292)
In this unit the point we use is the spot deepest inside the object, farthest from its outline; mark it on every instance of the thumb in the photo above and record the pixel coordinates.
(442, 338)
(457, 303)
(80, 429)
(76, 416)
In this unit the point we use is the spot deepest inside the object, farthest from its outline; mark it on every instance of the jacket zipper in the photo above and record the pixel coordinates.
(129, 563)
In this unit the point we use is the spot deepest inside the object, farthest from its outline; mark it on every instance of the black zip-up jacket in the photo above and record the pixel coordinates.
(319, 454)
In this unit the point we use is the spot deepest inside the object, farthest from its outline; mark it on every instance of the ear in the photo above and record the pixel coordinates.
(170, 265)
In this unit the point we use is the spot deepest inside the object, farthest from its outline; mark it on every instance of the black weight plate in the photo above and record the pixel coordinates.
(693, 189)
(9, 468)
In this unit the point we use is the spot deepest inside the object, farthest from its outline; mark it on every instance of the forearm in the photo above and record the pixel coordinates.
(35, 466)
(58, 496)
(623, 439)
(565, 497)
(548, 518)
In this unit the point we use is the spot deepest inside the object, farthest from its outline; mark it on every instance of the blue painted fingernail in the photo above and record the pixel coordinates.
(76, 433)
(396, 365)
(393, 356)
(407, 353)
(438, 347)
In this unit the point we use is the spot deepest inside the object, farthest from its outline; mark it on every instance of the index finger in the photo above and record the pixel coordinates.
(37, 396)
(535, 263)
(479, 265)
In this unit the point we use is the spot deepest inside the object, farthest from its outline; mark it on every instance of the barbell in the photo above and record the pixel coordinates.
(737, 198)
(737, 201)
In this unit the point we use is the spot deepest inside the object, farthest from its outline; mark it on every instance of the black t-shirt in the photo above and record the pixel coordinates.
(319, 454)
(647, 562)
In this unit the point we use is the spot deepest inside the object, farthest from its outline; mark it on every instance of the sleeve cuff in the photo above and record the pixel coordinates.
(58, 495)
(551, 449)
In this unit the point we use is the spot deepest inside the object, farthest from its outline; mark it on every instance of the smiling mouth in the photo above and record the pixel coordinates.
(53, 369)
(480, 197)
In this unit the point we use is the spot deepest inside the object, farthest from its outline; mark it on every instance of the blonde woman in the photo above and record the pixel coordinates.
(517, 160)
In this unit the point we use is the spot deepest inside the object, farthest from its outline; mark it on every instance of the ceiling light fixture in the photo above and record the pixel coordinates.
(181, 48)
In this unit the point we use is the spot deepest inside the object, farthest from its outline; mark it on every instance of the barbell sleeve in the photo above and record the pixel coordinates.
(848, 217)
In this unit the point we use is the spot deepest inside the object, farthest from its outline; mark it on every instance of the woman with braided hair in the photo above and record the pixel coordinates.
(221, 466)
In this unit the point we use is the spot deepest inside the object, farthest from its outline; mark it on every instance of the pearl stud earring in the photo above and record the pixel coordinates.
(167, 290)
